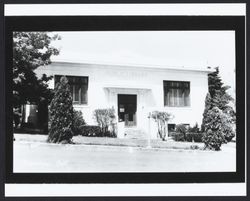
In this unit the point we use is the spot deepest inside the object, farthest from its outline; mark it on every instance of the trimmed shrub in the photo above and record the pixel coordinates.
(181, 128)
(194, 129)
(78, 122)
(91, 131)
(189, 134)
(94, 131)
(196, 137)
(161, 118)
(190, 137)
(217, 129)
(61, 114)
(105, 119)
(178, 137)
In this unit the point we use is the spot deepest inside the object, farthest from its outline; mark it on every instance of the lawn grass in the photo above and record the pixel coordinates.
(106, 141)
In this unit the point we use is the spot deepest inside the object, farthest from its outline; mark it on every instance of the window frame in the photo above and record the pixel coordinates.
(165, 95)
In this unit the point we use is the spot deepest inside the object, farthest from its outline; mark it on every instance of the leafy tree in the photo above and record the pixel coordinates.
(105, 119)
(217, 129)
(61, 114)
(162, 118)
(31, 50)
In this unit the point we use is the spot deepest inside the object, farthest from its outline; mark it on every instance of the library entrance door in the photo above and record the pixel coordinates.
(127, 105)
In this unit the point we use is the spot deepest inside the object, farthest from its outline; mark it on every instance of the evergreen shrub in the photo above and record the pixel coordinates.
(61, 114)
(217, 129)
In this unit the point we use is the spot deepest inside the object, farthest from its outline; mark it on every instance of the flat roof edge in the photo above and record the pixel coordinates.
(146, 66)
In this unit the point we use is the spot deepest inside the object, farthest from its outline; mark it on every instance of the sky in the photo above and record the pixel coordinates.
(195, 49)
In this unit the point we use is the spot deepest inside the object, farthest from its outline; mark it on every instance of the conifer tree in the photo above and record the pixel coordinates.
(61, 114)
(217, 129)
(220, 99)
(208, 106)
(218, 91)
(214, 83)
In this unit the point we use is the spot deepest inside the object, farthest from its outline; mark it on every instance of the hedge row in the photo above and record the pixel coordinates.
(94, 131)
(179, 137)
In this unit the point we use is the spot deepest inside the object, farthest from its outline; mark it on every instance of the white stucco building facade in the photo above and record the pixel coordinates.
(135, 90)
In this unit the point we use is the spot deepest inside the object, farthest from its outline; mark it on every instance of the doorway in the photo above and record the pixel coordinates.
(127, 106)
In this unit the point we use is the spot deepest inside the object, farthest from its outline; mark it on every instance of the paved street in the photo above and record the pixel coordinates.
(44, 157)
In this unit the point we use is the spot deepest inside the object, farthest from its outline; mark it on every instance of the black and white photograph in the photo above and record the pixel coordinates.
(100, 95)
(124, 101)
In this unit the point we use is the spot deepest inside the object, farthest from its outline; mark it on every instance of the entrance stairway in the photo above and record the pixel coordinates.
(135, 133)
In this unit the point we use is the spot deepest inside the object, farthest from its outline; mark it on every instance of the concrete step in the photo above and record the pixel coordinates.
(135, 133)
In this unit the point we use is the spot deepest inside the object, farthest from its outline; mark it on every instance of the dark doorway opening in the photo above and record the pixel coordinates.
(127, 105)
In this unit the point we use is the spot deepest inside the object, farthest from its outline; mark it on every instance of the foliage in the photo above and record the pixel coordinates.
(208, 107)
(218, 94)
(31, 50)
(94, 131)
(91, 131)
(193, 147)
(194, 129)
(181, 128)
(78, 122)
(161, 118)
(215, 83)
(196, 137)
(105, 118)
(220, 99)
(61, 114)
(190, 137)
(217, 129)
(178, 137)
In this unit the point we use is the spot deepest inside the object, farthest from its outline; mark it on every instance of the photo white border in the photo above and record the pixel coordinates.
(73, 190)
(211, 189)
(227, 9)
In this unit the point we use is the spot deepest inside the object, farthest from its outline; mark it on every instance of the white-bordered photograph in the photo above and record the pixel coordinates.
(124, 101)
(148, 102)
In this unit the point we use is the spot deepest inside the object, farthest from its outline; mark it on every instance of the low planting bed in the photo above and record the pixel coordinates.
(107, 141)
(94, 131)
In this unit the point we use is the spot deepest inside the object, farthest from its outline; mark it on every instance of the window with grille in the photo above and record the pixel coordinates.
(78, 88)
(176, 93)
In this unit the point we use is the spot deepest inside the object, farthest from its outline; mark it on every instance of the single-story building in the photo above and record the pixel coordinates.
(134, 91)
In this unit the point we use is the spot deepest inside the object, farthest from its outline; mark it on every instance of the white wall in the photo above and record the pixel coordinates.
(106, 81)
